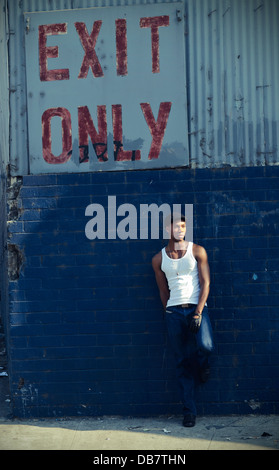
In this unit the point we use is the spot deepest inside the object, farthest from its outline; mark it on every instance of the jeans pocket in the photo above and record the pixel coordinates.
(205, 335)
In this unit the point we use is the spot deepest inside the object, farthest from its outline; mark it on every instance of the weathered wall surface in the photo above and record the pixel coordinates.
(87, 334)
(4, 159)
(84, 324)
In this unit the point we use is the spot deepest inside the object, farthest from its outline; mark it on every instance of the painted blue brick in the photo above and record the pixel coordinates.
(94, 313)
(39, 203)
(32, 180)
(73, 179)
(15, 227)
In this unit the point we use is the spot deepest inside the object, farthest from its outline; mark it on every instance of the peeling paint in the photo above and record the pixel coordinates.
(29, 396)
(15, 261)
(15, 255)
(254, 404)
(13, 189)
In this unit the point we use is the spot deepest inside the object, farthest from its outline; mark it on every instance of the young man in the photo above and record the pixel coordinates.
(183, 278)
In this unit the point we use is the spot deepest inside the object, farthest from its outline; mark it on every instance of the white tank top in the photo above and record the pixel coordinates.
(183, 277)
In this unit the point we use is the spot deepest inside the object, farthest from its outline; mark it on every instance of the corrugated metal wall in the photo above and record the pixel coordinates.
(4, 86)
(232, 52)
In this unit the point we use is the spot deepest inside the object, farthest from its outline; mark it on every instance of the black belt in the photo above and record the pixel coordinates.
(187, 305)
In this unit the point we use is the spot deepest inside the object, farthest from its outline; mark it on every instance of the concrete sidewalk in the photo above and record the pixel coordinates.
(164, 433)
(252, 432)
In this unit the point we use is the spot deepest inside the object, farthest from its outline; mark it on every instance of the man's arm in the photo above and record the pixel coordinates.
(204, 276)
(161, 280)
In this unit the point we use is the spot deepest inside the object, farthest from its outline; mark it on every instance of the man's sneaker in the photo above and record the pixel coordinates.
(189, 421)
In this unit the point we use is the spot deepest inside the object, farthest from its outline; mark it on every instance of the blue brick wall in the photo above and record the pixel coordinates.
(87, 335)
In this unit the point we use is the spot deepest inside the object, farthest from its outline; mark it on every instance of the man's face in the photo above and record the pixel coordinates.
(178, 230)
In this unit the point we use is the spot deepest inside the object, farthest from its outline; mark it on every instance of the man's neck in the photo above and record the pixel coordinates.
(175, 245)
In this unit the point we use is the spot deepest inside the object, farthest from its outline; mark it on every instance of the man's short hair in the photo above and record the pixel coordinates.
(175, 217)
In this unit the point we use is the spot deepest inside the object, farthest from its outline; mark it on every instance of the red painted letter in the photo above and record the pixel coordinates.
(86, 127)
(65, 116)
(157, 129)
(50, 52)
(121, 47)
(119, 153)
(154, 23)
(88, 44)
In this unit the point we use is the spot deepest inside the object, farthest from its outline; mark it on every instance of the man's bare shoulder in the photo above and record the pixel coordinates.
(157, 260)
(199, 251)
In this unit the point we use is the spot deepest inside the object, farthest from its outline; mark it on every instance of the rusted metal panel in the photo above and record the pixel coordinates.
(100, 89)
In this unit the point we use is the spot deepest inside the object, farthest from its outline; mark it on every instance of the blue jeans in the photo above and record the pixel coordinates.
(191, 350)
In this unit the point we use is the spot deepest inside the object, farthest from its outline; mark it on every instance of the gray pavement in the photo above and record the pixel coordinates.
(155, 434)
(114, 433)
